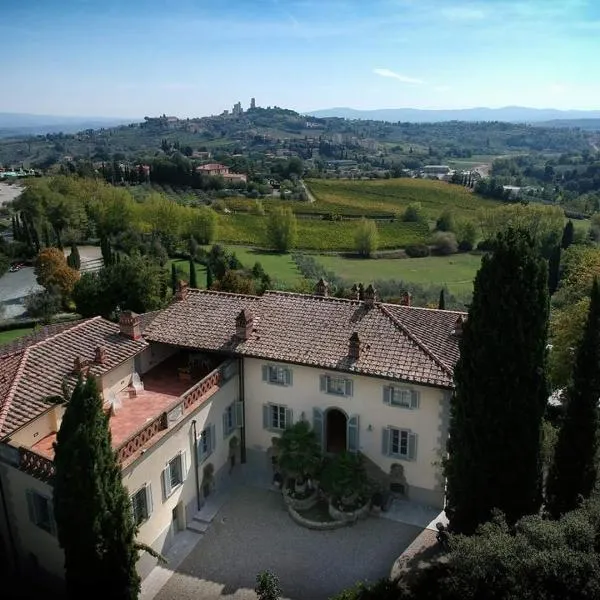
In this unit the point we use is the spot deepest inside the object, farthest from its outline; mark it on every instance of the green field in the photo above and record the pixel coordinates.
(13, 334)
(456, 271)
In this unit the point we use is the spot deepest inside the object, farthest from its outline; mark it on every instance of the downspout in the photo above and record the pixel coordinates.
(196, 465)
(243, 405)
(11, 539)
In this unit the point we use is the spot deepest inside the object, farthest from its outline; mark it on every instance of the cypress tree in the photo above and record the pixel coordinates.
(500, 389)
(442, 301)
(15, 229)
(46, 235)
(74, 259)
(573, 472)
(193, 276)
(568, 235)
(91, 505)
(209, 277)
(173, 278)
(553, 270)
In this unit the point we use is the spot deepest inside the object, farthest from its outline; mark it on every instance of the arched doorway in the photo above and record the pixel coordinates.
(336, 427)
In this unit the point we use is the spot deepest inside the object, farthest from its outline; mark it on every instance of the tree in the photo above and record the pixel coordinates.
(573, 472)
(445, 243)
(281, 229)
(209, 277)
(193, 275)
(267, 586)
(554, 270)
(53, 273)
(74, 260)
(414, 213)
(568, 235)
(174, 278)
(366, 238)
(43, 305)
(445, 221)
(235, 282)
(299, 451)
(500, 389)
(442, 301)
(91, 505)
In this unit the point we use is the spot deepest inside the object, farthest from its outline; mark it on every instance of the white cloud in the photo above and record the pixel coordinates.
(463, 13)
(398, 76)
(442, 88)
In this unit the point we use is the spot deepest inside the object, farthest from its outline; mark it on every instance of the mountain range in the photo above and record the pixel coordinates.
(17, 124)
(512, 114)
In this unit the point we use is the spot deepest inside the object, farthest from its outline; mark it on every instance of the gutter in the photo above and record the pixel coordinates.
(243, 404)
(196, 465)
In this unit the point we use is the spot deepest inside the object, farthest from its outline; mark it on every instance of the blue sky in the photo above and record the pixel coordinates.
(132, 58)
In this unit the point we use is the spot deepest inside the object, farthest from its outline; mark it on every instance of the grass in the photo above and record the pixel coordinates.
(456, 271)
(183, 265)
(13, 334)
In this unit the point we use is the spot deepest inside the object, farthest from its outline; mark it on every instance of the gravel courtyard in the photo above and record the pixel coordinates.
(253, 532)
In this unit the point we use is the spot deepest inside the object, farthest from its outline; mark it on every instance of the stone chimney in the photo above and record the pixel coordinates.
(182, 290)
(458, 326)
(100, 355)
(78, 365)
(354, 348)
(322, 288)
(406, 299)
(129, 325)
(243, 324)
(370, 296)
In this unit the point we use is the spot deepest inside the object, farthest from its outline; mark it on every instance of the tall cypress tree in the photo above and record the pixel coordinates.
(91, 505)
(74, 259)
(209, 277)
(442, 301)
(554, 270)
(173, 278)
(568, 235)
(500, 389)
(193, 275)
(573, 472)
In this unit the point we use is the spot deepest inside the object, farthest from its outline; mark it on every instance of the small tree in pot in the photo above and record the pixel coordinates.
(299, 454)
(345, 480)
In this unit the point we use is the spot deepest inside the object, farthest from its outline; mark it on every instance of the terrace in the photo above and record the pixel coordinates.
(141, 413)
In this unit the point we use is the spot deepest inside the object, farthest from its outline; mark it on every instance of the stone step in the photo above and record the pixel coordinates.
(197, 526)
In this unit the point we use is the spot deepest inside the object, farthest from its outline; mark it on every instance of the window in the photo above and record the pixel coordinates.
(277, 375)
(232, 418)
(174, 474)
(276, 417)
(399, 443)
(206, 442)
(401, 397)
(339, 386)
(41, 511)
(141, 504)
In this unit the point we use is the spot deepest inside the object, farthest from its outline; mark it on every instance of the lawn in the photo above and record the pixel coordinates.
(13, 334)
(456, 271)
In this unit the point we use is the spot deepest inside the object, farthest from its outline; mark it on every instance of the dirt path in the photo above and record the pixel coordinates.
(9, 192)
(309, 195)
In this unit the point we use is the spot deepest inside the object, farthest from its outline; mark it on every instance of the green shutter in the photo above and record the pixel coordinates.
(149, 507)
(412, 446)
(239, 413)
(31, 506)
(266, 416)
(415, 398)
(353, 434)
(387, 394)
(323, 383)
(288, 418)
(213, 439)
(318, 425)
(349, 387)
(265, 373)
(225, 424)
(288, 376)
(200, 449)
(183, 465)
(385, 441)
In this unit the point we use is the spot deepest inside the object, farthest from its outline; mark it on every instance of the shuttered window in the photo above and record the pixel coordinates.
(141, 504)
(174, 474)
(232, 418)
(399, 443)
(401, 397)
(277, 375)
(41, 511)
(206, 442)
(338, 386)
(276, 417)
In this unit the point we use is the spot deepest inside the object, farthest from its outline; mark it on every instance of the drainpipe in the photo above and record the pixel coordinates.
(243, 404)
(11, 539)
(196, 466)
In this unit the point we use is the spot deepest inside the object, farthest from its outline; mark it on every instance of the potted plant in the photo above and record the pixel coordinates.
(299, 455)
(377, 502)
(345, 480)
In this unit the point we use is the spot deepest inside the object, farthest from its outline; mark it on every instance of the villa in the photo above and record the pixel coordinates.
(211, 380)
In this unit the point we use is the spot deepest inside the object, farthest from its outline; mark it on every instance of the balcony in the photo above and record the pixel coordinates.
(140, 416)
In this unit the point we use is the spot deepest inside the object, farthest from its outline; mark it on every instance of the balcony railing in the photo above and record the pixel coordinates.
(37, 466)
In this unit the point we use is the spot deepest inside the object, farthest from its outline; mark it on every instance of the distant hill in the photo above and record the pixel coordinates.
(18, 124)
(586, 124)
(511, 114)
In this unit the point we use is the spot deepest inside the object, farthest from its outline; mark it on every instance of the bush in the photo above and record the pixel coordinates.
(366, 238)
(445, 243)
(486, 245)
(465, 246)
(43, 305)
(445, 221)
(414, 213)
(267, 586)
(281, 229)
(417, 251)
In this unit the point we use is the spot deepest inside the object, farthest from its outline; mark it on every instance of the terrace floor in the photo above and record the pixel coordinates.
(162, 388)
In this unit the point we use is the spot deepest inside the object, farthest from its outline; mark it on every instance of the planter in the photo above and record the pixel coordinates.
(301, 503)
(349, 516)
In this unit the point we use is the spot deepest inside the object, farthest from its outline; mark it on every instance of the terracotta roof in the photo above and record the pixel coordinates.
(402, 343)
(36, 336)
(43, 365)
(211, 167)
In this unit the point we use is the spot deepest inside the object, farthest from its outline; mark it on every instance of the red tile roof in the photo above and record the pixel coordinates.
(396, 342)
(211, 167)
(44, 362)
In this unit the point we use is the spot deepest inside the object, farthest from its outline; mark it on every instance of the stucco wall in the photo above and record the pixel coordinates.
(422, 475)
(117, 379)
(152, 356)
(35, 430)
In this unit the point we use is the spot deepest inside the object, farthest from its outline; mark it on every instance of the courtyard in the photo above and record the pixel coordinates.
(253, 532)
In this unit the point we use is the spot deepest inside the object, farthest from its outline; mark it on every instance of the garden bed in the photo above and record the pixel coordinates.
(301, 502)
(361, 512)
(317, 517)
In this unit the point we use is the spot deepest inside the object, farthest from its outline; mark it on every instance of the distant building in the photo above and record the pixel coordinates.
(252, 103)
(514, 191)
(436, 170)
(237, 109)
(213, 169)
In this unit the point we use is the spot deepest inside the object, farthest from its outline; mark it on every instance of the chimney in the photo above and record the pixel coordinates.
(458, 326)
(243, 325)
(129, 325)
(77, 365)
(182, 290)
(370, 296)
(322, 288)
(406, 299)
(354, 350)
(354, 292)
(100, 355)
